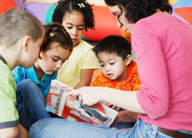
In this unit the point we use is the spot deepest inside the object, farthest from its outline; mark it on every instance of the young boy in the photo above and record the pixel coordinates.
(21, 35)
(119, 71)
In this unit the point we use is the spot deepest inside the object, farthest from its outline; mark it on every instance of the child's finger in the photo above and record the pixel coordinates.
(118, 108)
(114, 107)
(109, 105)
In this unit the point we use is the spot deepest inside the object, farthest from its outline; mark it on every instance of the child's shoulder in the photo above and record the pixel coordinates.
(133, 64)
(3, 65)
(5, 71)
(85, 45)
(19, 69)
(84, 48)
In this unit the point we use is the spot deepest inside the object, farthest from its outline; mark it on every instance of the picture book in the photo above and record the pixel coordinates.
(61, 102)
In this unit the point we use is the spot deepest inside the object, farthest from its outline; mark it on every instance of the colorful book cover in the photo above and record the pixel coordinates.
(61, 102)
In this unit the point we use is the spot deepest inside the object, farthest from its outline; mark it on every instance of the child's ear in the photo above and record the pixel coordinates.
(128, 59)
(26, 43)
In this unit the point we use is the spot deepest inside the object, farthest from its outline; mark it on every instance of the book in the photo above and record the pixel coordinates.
(61, 102)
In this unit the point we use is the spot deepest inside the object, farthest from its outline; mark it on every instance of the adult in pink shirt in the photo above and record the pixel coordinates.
(163, 47)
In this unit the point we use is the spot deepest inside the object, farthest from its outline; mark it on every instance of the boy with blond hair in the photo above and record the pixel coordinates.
(21, 35)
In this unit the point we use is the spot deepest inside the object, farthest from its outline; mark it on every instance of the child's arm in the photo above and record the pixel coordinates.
(14, 132)
(23, 132)
(85, 80)
(11, 132)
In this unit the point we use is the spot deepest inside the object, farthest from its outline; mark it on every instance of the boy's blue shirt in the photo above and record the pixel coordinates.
(44, 84)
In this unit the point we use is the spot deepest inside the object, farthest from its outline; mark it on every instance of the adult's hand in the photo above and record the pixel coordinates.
(88, 95)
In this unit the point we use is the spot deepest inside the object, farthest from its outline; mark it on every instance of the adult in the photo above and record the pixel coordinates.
(162, 46)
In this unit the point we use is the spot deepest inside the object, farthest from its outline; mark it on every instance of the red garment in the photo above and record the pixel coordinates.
(131, 82)
(6, 5)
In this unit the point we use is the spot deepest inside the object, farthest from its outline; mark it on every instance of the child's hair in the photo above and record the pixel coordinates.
(114, 44)
(68, 6)
(16, 23)
(54, 32)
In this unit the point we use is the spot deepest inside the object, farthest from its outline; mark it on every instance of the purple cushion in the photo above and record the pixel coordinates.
(38, 9)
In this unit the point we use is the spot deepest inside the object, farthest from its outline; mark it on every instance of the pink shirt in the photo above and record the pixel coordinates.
(163, 48)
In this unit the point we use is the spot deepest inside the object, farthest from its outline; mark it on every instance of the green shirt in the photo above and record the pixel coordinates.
(8, 113)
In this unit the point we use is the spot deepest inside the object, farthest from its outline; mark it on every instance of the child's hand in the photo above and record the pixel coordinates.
(87, 95)
(126, 116)
(111, 106)
(114, 107)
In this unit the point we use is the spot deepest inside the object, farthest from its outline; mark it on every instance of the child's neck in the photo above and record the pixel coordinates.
(123, 76)
(76, 44)
(10, 57)
(38, 70)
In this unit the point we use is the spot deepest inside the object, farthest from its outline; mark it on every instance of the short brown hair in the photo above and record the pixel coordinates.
(16, 23)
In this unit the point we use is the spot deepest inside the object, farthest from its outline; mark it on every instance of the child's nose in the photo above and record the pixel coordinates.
(59, 64)
(107, 68)
(74, 31)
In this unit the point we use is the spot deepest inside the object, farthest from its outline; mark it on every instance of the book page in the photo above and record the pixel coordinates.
(61, 102)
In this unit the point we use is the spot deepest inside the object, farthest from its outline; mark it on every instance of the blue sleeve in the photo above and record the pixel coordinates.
(19, 74)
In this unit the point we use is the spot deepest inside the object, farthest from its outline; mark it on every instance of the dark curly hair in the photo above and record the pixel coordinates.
(82, 6)
(138, 9)
(55, 32)
(113, 44)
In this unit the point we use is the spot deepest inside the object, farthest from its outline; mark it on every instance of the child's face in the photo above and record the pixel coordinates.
(52, 59)
(74, 23)
(113, 66)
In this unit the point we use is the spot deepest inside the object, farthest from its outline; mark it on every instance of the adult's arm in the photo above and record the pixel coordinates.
(124, 99)
(148, 46)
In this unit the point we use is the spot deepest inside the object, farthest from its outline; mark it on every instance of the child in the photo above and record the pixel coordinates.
(56, 48)
(76, 16)
(119, 71)
(19, 45)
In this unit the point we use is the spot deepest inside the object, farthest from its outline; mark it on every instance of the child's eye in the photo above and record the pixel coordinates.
(112, 63)
(80, 28)
(102, 65)
(69, 27)
(54, 59)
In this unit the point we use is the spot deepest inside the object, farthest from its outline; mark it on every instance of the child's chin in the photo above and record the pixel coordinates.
(49, 72)
(112, 78)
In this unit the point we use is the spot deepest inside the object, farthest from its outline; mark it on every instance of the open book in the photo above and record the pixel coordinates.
(61, 102)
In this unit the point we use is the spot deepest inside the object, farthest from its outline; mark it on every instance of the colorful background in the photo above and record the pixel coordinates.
(104, 25)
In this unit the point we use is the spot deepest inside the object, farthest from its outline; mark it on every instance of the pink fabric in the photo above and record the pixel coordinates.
(163, 48)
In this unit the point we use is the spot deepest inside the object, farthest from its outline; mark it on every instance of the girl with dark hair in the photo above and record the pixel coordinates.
(33, 83)
(162, 46)
(76, 16)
